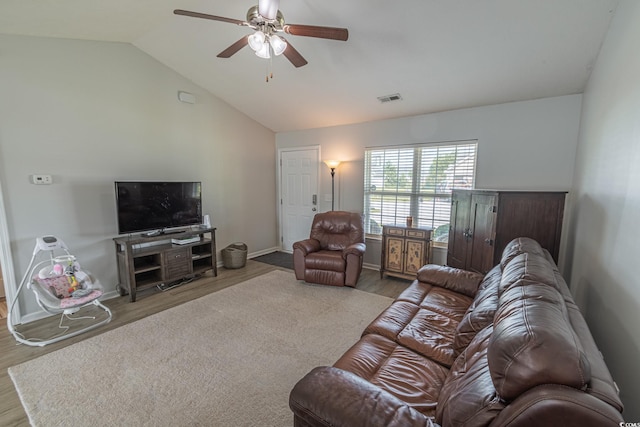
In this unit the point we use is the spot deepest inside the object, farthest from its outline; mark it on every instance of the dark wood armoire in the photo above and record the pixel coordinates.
(483, 222)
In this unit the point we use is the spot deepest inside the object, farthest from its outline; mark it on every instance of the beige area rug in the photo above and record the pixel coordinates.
(227, 359)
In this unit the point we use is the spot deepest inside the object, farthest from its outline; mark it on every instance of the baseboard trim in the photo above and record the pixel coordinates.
(264, 252)
(371, 266)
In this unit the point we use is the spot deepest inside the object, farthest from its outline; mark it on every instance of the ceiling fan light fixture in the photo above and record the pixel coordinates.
(256, 41)
(277, 44)
(263, 52)
(266, 20)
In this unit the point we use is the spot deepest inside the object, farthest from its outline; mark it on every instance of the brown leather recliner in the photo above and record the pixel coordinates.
(333, 253)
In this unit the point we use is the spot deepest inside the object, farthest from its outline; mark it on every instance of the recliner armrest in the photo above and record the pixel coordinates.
(331, 396)
(307, 246)
(355, 249)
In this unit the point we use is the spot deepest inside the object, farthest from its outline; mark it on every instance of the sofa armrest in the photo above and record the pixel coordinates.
(330, 396)
(355, 249)
(307, 246)
(546, 404)
(455, 279)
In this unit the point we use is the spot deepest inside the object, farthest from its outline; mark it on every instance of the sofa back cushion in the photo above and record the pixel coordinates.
(455, 279)
(533, 342)
(468, 396)
(480, 313)
(528, 266)
(519, 246)
(337, 230)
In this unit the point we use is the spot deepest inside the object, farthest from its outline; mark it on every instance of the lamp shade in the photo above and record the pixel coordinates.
(256, 41)
(332, 163)
(263, 52)
(277, 44)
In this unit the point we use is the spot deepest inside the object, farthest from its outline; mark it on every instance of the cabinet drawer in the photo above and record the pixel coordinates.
(392, 231)
(418, 234)
(177, 263)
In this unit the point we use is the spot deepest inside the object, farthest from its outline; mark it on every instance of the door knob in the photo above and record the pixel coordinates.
(313, 209)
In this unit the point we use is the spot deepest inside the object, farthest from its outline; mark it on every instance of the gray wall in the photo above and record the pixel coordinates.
(521, 145)
(90, 113)
(605, 236)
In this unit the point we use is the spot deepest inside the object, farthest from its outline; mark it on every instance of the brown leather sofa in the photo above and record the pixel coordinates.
(459, 349)
(333, 253)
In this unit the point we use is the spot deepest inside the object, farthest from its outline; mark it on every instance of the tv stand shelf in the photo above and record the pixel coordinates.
(148, 261)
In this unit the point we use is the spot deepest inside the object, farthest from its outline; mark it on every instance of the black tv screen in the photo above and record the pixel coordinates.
(144, 206)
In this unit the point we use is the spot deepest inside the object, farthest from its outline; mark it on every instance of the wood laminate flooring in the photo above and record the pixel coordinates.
(148, 302)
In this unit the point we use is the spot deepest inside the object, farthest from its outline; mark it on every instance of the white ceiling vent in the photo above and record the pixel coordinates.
(390, 98)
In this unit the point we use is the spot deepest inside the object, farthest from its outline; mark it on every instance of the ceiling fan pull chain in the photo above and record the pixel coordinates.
(266, 77)
(271, 62)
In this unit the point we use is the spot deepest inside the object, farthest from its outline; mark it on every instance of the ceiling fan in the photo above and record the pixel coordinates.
(268, 23)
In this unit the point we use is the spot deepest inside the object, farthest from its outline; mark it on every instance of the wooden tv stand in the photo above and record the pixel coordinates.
(144, 262)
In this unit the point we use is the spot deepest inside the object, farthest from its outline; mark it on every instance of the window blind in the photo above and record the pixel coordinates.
(416, 181)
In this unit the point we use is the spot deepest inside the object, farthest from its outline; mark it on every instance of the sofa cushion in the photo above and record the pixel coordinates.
(431, 334)
(480, 313)
(533, 342)
(468, 396)
(520, 246)
(424, 319)
(442, 300)
(423, 331)
(527, 266)
(392, 320)
(325, 260)
(461, 281)
(399, 371)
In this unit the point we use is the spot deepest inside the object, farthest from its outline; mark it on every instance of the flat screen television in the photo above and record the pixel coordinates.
(145, 206)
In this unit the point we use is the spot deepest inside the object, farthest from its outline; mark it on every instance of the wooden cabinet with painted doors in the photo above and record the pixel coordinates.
(483, 223)
(404, 251)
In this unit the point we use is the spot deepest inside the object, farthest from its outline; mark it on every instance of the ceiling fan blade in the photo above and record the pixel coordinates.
(314, 31)
(206, 16)
(294, 56)
(231, 50)
(268, 8)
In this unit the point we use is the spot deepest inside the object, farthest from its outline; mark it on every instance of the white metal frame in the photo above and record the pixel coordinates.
(50, 244)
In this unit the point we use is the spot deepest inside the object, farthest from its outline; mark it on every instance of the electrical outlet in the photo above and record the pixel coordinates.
(42, 179)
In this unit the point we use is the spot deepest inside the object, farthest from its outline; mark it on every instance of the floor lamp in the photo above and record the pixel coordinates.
(333, 164)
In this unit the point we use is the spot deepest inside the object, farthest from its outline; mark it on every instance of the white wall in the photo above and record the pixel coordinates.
(521, 146)
(90, 113)
(605, 234)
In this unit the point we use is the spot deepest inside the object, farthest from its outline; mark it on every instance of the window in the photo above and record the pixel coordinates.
(416, 181)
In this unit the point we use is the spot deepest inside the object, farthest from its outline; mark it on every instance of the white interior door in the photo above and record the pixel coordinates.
(299, 193)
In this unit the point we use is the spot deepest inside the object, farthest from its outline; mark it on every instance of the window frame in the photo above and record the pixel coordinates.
(418, 192)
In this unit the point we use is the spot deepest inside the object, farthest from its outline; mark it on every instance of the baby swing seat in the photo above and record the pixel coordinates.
(60, 287)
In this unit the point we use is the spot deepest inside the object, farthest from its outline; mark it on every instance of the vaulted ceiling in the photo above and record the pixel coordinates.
(437, 54)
